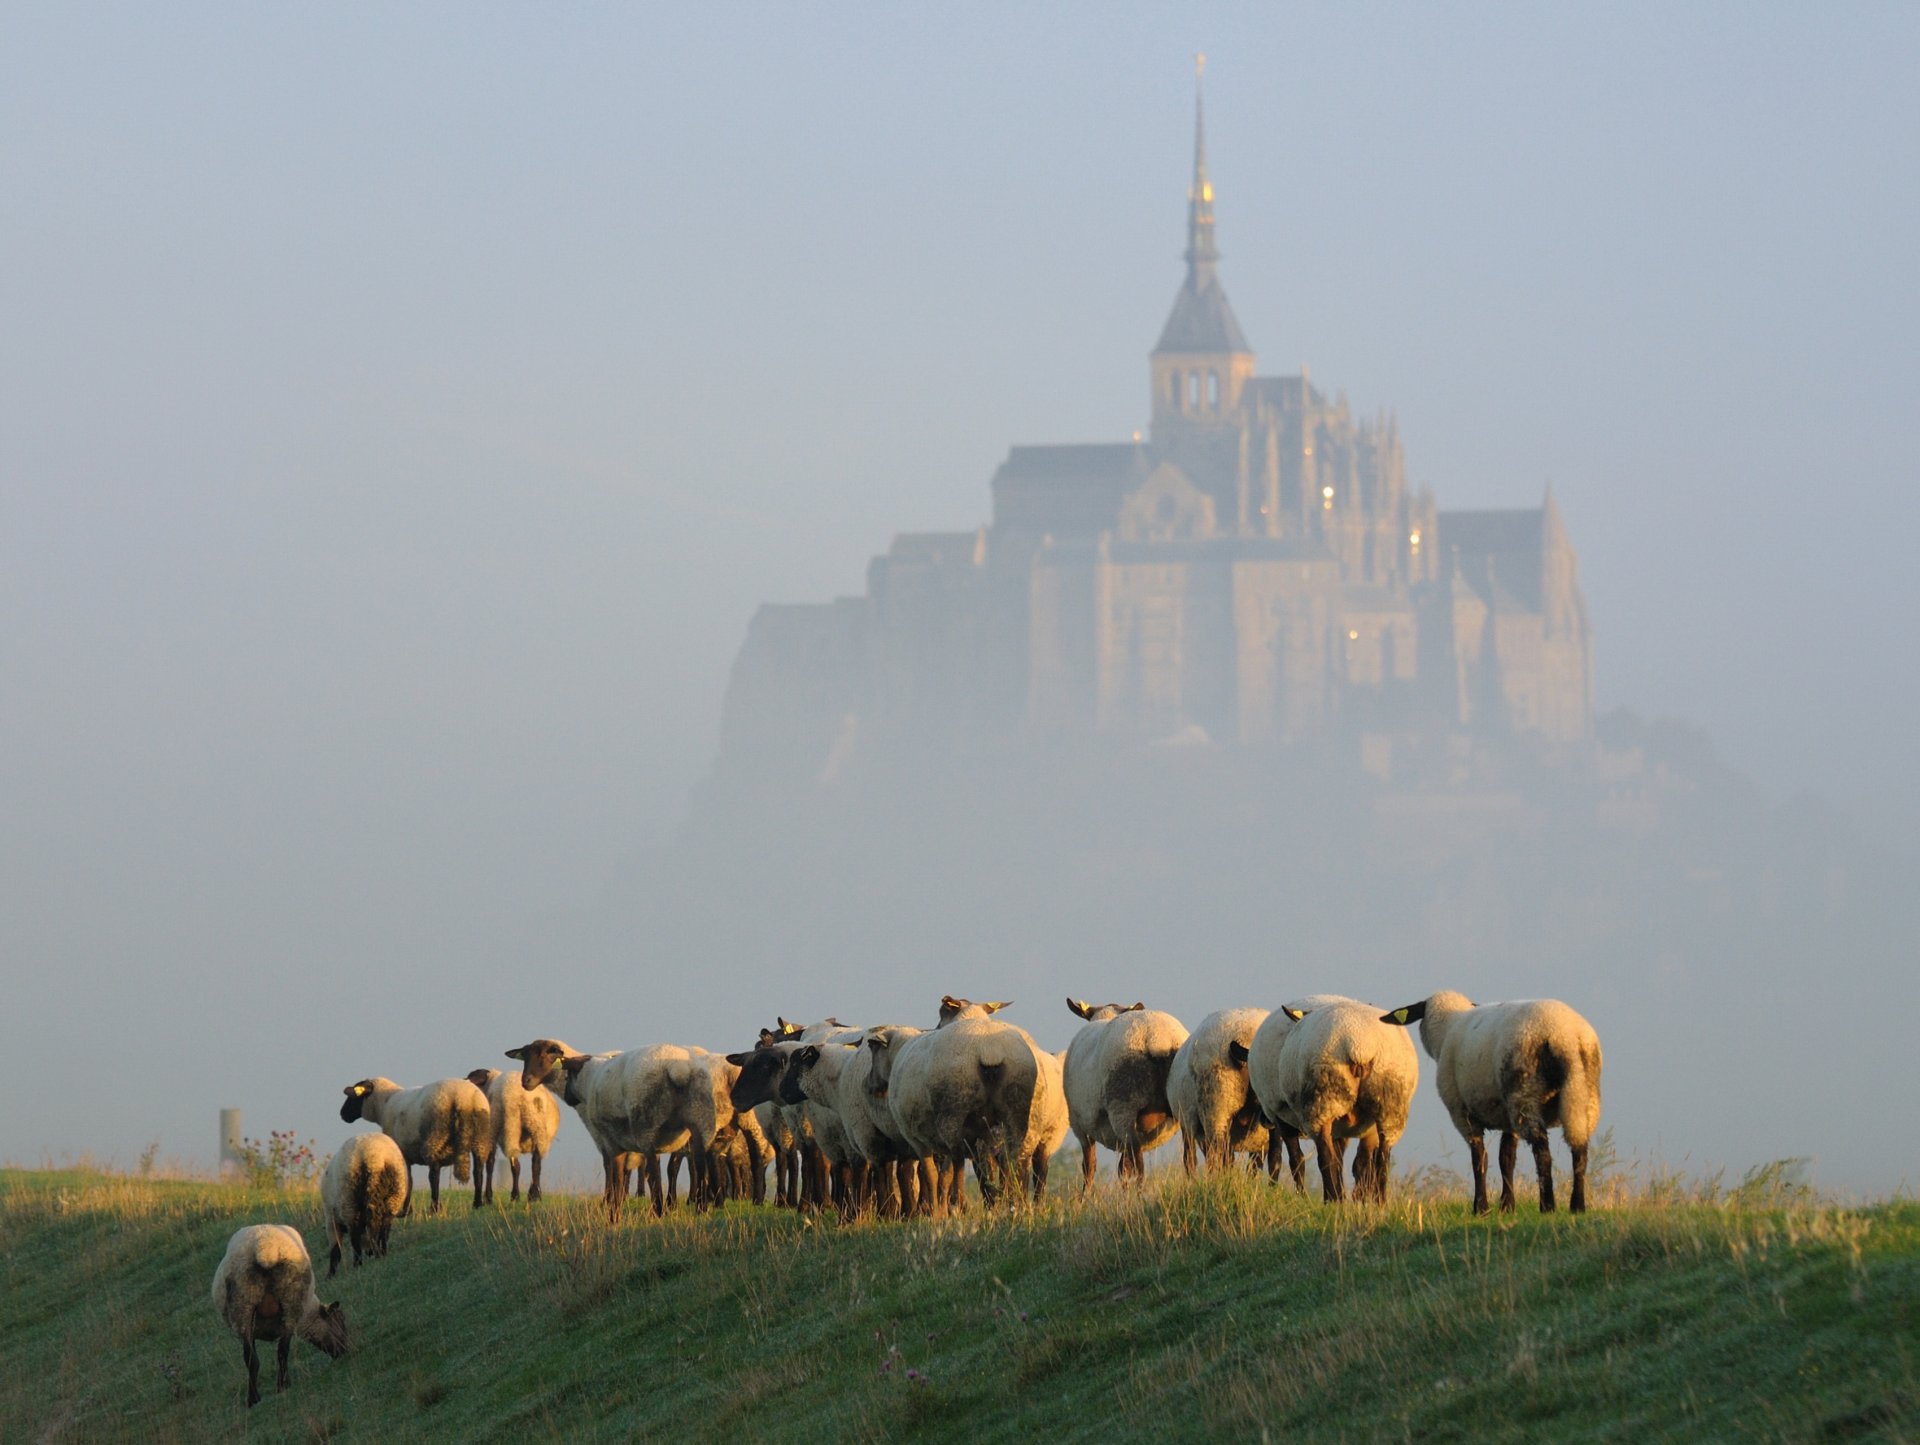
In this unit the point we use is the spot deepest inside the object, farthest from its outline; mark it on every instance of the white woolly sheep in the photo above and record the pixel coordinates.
(436, 1125)
(263, 1289)
(1262, 1058)
(965, 1090)
(1116, 1082)
(1050, 1122)
(523, 1121)
(648, 1101)
(1208, 1090)
(1522, 1068)
(1340, 1074)
(363, 1189)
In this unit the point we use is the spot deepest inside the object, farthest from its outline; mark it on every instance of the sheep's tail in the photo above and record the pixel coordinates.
(469, 1132)
(1579, 1088)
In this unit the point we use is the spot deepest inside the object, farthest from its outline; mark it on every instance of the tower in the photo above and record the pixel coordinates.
(1203, 362)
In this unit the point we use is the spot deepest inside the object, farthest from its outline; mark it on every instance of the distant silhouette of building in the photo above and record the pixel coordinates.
(1255, 570)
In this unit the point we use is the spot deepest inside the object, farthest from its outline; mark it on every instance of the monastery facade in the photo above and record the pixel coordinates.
(1255, 569)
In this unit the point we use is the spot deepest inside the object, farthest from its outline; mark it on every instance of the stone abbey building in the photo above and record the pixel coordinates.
(1255, 570)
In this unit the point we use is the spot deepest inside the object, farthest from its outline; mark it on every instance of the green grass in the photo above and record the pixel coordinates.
(1221, 1309)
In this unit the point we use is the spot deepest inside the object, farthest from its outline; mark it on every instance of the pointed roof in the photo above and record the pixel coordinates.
(1202, 321)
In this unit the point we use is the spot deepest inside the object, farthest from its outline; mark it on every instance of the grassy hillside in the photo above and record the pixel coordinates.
(1222, 1308)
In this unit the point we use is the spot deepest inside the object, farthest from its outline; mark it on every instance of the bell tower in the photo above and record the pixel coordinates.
(1203, 362)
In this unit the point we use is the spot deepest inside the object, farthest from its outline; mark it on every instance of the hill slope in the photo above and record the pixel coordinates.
(1221, 1308)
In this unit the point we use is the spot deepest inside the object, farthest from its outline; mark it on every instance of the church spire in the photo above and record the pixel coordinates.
(1201, 254)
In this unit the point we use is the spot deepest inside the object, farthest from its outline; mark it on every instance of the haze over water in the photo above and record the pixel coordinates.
(401, 416)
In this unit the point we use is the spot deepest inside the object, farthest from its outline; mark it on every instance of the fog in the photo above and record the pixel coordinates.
(402, 415)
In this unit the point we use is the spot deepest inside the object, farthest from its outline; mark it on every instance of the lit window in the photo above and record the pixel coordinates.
(1353, 636)
(1326, 499)
(1415, 539)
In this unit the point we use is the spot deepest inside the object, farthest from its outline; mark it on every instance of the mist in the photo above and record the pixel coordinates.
(403, 415)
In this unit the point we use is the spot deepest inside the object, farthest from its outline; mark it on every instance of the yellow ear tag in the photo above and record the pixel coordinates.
(1400, 1015)
(358, 1090)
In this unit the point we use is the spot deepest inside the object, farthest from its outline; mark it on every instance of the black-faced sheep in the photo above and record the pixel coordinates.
(436, 1125)
(1208, 1090)
(523, 1121)
(364, 1187)
(1522, 1068)
(1341, 1074)
(263, 1290)
(1116, 1082)
(965, 1091)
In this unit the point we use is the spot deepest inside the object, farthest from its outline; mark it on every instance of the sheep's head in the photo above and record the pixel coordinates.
(328, 1330)
(791, 1083)
(538, 1061)
(1237, 1053)
(879, 1044)
(760, 1073)
(481, 1078)
(356, 1102)
(1098, 1012)
(952, 1008)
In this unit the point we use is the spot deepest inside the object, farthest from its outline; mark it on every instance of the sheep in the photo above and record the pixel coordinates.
(263, 1289)
(522, 1121)
(965, 1090)
(363, 1188)
(1208, 1090)
(813, 1078)
(648, 1101)
(1340, 1073)
(1261, 1057)
(1116, 1082)
(806, 1175)
(1050, 1122)
(436, 1125)
(952, 1008)
(1521, 1068)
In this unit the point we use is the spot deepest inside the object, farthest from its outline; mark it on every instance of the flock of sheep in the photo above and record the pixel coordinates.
(888, 1118)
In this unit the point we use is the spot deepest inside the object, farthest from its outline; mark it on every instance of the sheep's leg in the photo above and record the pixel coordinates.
(1509, 1151)
(358, 1237)
(1296, 1159)
(333, 1254)
(1382, 1170)
(652, 1169)
(406, 1199)
(1578, 1204)
(252, 1357)
(1328, 1155)
(533, 1187)
(433, 1188)
(613, 1188)
(487, 1176)
(1087, 1166)
(480, 1198)
(1477, 1151)
(1188, 1161)
(699, 1175)
(673, 1179)
(1363, 1169)
(1543, 1167)
(282, 1379)
(513, 1173)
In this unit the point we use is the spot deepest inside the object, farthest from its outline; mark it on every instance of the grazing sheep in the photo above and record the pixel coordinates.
(1262, 1058)
(648, 1101)
(436, 1125)
(965, 1091)
(363, 1189)
(523, 1121)
(1116, 1082)
(1521, 1068)
(263, 1289)
(1340, 1074)
(1208, 1090)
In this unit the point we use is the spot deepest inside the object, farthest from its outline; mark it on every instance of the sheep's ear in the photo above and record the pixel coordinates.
(994, 1008)
(573, 1064)
(1237, 1051)
(740, 1061)
(519, 1053)
(806, 1058)
(877, 1043)
(478, 1078)
(1411, 1014)
(1135, 1008)
(1296, 1014)
(1079, 1006)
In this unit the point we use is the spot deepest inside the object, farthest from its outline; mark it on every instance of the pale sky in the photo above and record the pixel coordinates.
(403, 411)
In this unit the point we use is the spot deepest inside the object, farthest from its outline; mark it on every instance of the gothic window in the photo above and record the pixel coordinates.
(1193, 390)
(1213, 391)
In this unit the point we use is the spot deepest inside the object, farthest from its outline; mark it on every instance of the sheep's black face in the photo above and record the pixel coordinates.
(333, 1330)
(791, 1091)
(356, 1102)
(760, 1072)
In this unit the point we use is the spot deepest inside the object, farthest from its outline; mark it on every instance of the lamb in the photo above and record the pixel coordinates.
(1341, 1073)
(436, 1125)
(263, 1289)
(1208, 1090)
(965, 1090)
(363, 1188)
(1116, 1082)
(522, 1121)
(1521, 1068)
(648, 1101)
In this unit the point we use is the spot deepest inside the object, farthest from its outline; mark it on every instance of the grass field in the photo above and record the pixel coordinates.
(1220, 1308)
